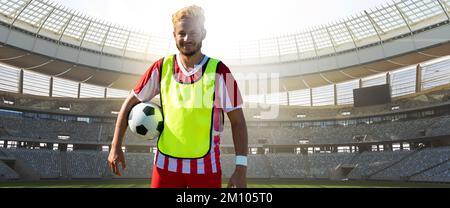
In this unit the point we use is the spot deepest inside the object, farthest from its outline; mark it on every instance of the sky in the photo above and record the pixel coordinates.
(230, 19)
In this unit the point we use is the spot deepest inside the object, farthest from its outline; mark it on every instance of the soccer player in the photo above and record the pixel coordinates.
(195, 90)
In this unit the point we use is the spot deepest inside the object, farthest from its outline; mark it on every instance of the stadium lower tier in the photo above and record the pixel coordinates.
(425, 165)
(288, 133)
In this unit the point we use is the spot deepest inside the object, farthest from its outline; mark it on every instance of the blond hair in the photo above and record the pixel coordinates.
(193, 12)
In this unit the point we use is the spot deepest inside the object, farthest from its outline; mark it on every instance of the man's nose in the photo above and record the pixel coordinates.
(189, 37)
(186, 38)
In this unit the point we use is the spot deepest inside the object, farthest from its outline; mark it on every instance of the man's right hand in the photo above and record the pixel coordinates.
(115, 157)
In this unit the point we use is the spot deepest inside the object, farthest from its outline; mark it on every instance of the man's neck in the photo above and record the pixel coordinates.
(190, 61)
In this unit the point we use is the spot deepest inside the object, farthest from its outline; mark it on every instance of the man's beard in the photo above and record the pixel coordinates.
(197, 49)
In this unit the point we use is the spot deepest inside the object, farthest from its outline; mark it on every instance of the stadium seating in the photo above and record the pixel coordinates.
(46, 162)
(415, 164)
(86, 164)
(49, 130)
(104, 107)
(367, 163)
(139, 165)
(322, 164)
(440, 173)
(289, 165)
(6, 173)
(430, 164)
(376, 132)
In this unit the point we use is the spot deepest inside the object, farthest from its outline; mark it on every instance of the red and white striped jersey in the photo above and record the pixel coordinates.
(227, 99)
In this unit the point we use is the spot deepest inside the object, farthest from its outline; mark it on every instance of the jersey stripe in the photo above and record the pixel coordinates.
(172, 164)
(201, 166)
(160, 160)
(187, 166)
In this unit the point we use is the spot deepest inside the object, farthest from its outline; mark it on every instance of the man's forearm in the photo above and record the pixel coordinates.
(122, 121)
(240, 137)
(120, 129)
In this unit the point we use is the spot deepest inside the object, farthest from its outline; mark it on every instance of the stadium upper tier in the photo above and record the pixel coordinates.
(40, 36)
(108, 108)
(421, 125)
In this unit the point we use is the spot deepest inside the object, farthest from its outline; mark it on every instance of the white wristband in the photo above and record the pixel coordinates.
(241, 160)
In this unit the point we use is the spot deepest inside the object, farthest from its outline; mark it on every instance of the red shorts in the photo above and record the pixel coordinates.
(166, 179)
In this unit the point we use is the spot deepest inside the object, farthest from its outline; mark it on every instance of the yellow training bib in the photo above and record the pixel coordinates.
(188, 112)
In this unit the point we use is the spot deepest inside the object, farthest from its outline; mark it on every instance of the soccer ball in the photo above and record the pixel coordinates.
(146, 121)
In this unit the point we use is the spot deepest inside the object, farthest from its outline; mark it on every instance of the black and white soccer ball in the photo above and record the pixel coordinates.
(146, 121)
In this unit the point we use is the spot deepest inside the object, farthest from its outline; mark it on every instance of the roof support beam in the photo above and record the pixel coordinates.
(445, 8)
(20, 13)
(333, 43)
(352, 35)
(82, 40)
(375, 26)
(104, 39)
(41, 25)
(296, 47)
(279, 53)
(63, 29)
(404, 17)
(15, 19)
(315, 50)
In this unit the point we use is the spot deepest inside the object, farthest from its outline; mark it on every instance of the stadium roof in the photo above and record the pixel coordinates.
(345, 37)
(366, 28)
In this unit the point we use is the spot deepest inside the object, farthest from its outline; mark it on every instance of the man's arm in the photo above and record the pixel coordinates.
(240, 139)
(116, 155)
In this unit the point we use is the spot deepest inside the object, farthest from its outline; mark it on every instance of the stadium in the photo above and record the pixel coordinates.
(363, 101)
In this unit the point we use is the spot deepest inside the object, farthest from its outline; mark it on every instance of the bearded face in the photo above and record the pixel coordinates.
(189, 36)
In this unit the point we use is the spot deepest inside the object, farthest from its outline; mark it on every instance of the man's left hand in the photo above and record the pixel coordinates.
(239, 178)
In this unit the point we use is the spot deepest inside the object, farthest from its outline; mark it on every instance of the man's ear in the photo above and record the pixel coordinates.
(174, 35)
(204, 34)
